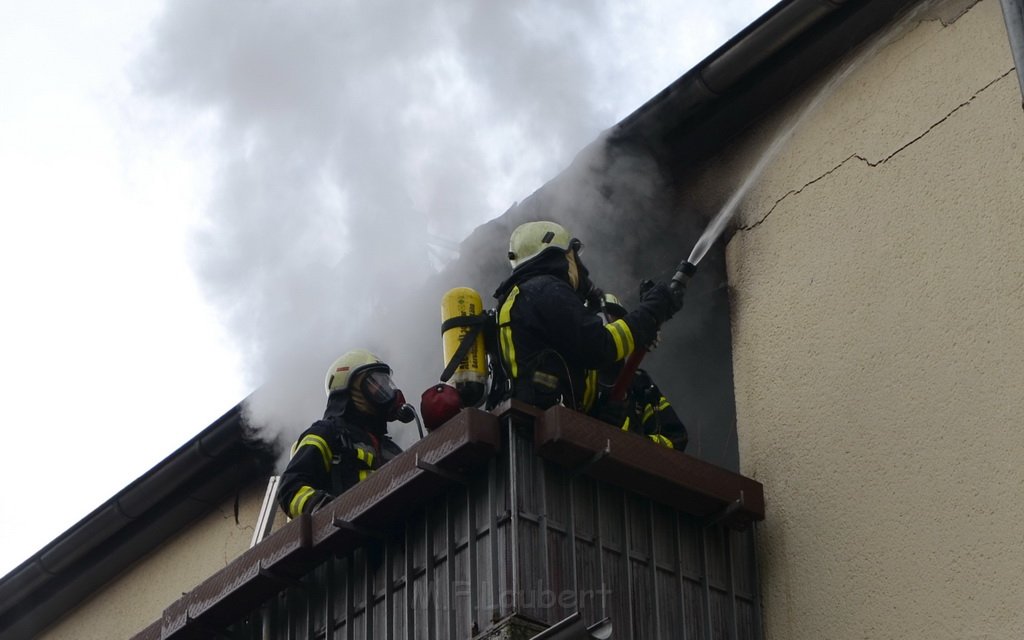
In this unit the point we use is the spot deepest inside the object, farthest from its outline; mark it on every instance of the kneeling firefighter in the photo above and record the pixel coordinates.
(551, 345)
(351, 441)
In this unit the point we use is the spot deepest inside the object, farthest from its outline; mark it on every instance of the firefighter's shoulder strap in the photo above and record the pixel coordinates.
(476, 324)
(486, 323)
(500, 382)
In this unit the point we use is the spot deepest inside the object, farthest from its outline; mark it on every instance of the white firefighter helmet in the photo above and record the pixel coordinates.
(531, 239)
(344, 370)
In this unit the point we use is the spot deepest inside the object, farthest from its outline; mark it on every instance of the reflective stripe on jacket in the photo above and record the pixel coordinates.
(331, 456)
(552, 346)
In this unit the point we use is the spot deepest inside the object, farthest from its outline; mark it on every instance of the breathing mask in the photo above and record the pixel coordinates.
(378, 391)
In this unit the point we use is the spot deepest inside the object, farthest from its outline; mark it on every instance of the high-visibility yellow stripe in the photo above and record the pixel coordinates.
(364, 474)
(545, 380)
(365, 455)
(622, 337)
(590, 389)
(662, 440)
(316, 441)
(625, 424)
(505, 334)
(619, 339)
(648, 412)
(299, 500)
(650, 409)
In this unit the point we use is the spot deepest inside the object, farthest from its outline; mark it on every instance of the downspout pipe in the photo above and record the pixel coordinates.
(1013, 15)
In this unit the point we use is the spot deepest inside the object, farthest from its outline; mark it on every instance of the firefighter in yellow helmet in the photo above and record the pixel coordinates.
(645, 410)
(551, 345)
(351, 440)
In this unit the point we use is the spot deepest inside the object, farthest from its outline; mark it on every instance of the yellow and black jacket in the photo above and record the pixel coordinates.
(335, 453)
(551, 346)
(645, 411)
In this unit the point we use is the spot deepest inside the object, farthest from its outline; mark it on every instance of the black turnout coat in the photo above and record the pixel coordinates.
(332, 455)
(552, 346)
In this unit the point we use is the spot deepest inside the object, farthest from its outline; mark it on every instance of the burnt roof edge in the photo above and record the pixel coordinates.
(184, 486)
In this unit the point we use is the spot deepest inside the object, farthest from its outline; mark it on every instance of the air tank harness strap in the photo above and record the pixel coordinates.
(476, 325)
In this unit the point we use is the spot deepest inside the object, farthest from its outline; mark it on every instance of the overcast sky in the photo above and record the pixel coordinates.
(198, 197)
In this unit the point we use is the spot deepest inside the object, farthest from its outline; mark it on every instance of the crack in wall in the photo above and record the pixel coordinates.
(949, 12)
(856, 156)
(945, 12)
(234, 514)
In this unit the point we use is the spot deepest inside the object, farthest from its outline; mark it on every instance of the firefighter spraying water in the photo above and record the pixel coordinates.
(677, 285)
(688, 267)
(544, 343)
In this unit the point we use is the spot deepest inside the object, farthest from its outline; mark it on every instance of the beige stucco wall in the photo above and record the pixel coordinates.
(139, 596)
(879, 345)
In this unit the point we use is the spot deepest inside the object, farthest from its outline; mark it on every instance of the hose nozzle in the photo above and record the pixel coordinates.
(684, 272)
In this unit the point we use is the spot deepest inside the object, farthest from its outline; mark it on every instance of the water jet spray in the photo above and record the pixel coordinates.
(728, 210)
(687, 267)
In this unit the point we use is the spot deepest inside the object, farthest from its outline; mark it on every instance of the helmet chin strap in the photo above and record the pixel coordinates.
(574, 269)
(579, 275)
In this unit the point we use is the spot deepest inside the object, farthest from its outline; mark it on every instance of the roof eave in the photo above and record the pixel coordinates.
(186, 485)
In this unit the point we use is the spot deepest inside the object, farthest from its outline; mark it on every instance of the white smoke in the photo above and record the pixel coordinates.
(346, 135)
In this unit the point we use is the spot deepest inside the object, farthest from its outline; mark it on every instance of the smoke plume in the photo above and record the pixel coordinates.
(353, 145)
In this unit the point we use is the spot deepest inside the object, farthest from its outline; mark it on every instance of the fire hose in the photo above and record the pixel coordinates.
(682, 276)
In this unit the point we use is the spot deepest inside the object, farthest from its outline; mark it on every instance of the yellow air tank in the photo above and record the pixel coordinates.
(462, 312)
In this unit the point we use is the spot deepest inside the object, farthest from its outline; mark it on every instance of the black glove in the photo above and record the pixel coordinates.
(316, 501)
(662, 301)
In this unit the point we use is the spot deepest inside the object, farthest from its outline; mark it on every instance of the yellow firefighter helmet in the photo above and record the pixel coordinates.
(531, 239)
(344, 370)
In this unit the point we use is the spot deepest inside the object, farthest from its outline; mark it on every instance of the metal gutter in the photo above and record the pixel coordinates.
(733, 87)
(184, 486)
(1013, 15)
(717, 74)
(762, 39)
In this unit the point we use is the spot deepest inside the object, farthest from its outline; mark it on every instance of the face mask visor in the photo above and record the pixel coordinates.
(378, 388)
